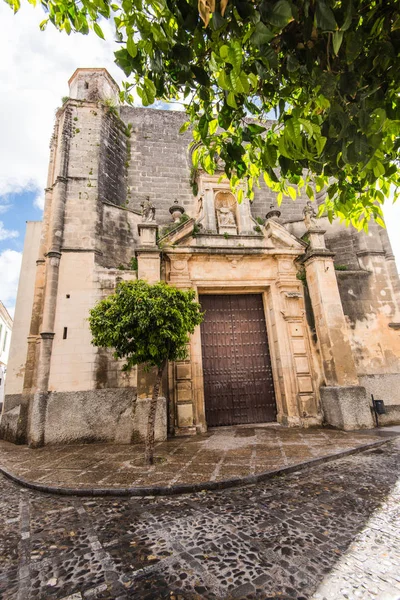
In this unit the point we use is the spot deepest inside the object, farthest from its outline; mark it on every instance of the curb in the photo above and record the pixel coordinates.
(189, 488)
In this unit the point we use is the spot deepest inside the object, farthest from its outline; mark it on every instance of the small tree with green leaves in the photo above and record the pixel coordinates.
(146, 324)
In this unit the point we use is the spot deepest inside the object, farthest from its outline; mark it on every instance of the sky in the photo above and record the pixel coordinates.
(34, 70)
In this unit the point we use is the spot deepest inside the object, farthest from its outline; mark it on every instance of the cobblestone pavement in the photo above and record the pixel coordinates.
(221, 454)
(330, 530)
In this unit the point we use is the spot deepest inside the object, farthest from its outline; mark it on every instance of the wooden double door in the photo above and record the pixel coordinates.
(237, 372)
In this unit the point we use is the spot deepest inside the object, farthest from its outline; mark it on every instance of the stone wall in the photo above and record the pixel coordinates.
(369, 305)
(160, 166)
(112, 415)
(119, 236)
(113, 159)
(159, 163)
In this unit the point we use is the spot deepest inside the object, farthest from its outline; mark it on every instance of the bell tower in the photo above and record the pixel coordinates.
(92, 85)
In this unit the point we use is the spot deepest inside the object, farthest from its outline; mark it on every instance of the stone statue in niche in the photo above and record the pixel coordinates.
(225, 207)
(310, 216)
(148, 211)
(225, 217)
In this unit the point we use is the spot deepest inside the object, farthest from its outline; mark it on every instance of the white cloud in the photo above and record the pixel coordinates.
(39, 201)
(4, 206)
(10, 265)
(7, 234)
(34, 72)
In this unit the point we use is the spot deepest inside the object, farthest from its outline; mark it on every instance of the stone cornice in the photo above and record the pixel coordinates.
(223, 250)
(371, 252)
(94, 250)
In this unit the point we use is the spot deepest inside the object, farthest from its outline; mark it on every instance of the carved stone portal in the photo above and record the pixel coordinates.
(225, 208)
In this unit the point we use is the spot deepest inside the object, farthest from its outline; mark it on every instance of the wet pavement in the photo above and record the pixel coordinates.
(221, 454)
(333, 529)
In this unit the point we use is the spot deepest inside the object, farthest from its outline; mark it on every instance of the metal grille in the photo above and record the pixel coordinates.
(237, 370)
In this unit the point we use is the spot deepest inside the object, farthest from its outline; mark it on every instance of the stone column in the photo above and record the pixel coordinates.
(344, 401)
(38, 405)
(391, 266)
(148, 254)
(210, 221)
(182, 371)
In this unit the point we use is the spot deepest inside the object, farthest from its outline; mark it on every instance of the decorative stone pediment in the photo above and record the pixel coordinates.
(180, 236)
(281, 238)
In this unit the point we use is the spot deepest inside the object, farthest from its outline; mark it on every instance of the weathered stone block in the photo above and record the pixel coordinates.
(90, 416)
(184, 371)
(184, 391)
(301, 364)
(185, 415)
(140, 417)
(346, 407)
(305, 384)
(13, 425)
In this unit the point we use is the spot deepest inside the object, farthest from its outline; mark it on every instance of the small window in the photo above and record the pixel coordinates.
(68, 296)
(65, 333)
(86, 85)
(5, 341)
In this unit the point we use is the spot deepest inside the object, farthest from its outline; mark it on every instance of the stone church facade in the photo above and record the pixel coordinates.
(302, 316)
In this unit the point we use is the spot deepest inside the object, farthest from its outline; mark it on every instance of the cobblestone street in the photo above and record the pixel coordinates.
(332, 532)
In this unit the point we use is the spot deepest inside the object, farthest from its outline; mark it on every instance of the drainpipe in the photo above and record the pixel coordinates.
(37, 417)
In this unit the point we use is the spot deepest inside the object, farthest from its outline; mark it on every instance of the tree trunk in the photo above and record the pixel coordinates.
(149, 448)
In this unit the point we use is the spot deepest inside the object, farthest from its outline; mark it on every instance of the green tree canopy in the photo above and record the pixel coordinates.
(329, 69)
(146, 324)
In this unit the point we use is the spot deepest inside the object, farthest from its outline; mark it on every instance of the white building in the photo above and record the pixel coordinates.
(6, 324)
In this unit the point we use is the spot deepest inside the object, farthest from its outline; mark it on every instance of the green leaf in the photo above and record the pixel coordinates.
(131, 47)
(292, 63)
(337, 39)
(354, 44)
(235, 55)
(270, 155)
(231, 101)
(310, 192)
(281, 14)
(15, 5)
(262, 35)
(348, 16)
(224, 52)
(97, 29)
(325, 19)
(236, 82)
(224, 81)
(124, 60)
(320, 142)
(292, 192)
(184, 127)
(396, 24)
(213, 126)
(147, 92)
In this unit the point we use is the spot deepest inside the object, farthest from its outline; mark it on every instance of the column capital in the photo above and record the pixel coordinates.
(47, 335)
(53, 254)
(313, 253)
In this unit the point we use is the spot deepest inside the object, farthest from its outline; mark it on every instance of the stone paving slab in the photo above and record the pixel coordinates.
(222, 457)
